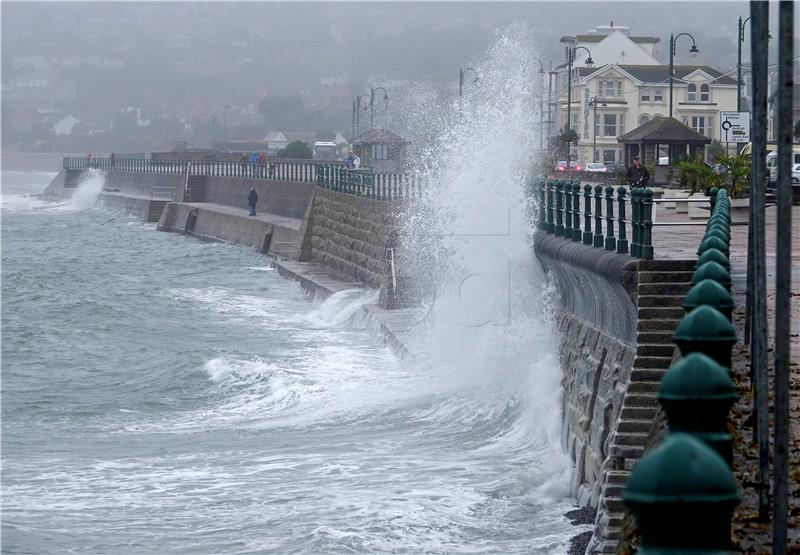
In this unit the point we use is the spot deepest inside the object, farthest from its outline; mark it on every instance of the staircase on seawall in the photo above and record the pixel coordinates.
(662, 287)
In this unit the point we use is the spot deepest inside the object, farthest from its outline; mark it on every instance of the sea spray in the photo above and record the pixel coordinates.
(88, 190)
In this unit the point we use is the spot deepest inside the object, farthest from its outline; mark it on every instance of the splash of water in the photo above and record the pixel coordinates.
(466, 244)
(88, 190)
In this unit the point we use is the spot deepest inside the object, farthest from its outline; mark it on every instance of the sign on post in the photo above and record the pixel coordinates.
(734, 127)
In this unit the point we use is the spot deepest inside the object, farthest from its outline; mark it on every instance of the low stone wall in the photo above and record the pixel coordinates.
(135, 206)
(349, 235)
(212, 225)
(284, 198)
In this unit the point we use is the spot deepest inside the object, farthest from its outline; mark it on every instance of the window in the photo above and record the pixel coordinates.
(658, 95)
(610, 89)
(644, 118)
(379, 152)
(645, 95)
(574, 121)
(612, 125)
(691, 94)
(699, 124)
(609, 156)
(705, 93)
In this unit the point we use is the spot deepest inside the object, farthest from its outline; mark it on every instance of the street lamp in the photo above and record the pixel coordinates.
(372, 103)
(357, 106)
(541, 107)
(571, 59)
(593, 102)
(462, 73)
(693, 50)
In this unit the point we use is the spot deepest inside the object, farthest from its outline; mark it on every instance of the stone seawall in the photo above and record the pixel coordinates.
(349, 235)
(283, 198)
(617, 317)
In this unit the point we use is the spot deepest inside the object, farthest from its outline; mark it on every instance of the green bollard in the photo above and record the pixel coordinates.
(611, 241)
(559, 208)
(711, 293)
(598, 216)
(542, 205)
(697, 395)
(706, 330)
(622, 241)
(550, 226)
(713, 243)
(683, 495)
(715, 271)
(715, 231)
(587, 215)
(568, 209)
(576, 211)
(636, 228)
(647, 225)
(714, 255)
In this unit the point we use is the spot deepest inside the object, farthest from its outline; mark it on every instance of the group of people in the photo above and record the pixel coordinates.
(352, 161)
(255, 164)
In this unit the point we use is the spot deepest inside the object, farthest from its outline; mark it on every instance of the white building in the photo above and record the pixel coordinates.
(630, 95)
(64, 126)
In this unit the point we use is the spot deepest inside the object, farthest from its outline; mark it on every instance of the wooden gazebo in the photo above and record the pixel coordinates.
(380, 149)
(645, 140)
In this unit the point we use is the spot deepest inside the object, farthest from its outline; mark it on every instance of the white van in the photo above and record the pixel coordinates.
(772, 162)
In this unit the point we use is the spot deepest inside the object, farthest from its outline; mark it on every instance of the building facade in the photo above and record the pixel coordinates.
(613, 99)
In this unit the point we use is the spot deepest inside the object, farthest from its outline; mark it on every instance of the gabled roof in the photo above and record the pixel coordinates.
(660, 74)
(306, 136)
(598, 38)
(664, 130)
(273, 136)
(378, 136)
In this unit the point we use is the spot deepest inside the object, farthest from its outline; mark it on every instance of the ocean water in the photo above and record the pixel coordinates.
(164, 395)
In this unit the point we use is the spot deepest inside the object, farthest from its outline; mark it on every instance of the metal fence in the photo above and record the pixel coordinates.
(365, 183)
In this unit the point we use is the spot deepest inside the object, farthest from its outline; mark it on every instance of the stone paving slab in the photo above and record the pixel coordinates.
(283, 221)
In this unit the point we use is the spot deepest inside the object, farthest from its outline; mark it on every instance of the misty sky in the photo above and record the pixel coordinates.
(189, 59)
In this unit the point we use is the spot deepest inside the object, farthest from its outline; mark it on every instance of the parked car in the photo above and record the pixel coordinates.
(596, 167)
(612, 167)
(663, 160)
(562, 165)
(796, 175)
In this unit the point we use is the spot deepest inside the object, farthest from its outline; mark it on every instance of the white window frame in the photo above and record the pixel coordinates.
(691, 92)
(646, 95)
(658, 96)
(705, 95)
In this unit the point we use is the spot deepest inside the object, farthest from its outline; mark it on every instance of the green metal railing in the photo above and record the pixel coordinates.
(687, 480)
(559, 213)
(366, 183)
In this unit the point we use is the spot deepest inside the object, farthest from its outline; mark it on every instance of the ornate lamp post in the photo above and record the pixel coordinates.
(372, 103)
(359, 104)
(594, 102)
(692, 50)
(462, 73)
(570, 61)
(541, 107)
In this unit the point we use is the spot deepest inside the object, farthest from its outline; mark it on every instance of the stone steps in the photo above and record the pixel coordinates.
(655, 338)
(682, 276)
(631, 439)
(661, 313)
(640, 400)
(643, 362)
(643, 387)
(638, 413)
(664, 288)
(648, 301)
(655, 350)
(657, 325)
(647, 374)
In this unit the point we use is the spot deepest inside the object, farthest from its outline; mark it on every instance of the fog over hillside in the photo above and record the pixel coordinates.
(144, 75)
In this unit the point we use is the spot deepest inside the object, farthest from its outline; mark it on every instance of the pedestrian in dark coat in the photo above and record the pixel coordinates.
(637, 175)
(252, 199)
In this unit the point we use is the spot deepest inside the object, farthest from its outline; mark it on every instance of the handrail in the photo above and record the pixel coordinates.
(559, 212)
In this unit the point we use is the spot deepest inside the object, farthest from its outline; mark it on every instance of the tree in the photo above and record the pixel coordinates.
(296, 149)
(567, 137)
(715, 150)
(737, 176)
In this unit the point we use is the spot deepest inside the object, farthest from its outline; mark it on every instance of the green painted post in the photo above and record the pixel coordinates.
(587, 215)
(622, 241)
(697, 395)
(541, 185)
(559, 208)
(714, 255)
(568, 209)
(706, 330)
(598, 216)
(576, 211)
(712, 197)
(713, 243)
(682, 494)
(550, 226)
(636, 240)
(712, 270)
(647, 225)
(712, 293)
(611, 242)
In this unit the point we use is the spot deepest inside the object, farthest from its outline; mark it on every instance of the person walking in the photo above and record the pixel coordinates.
(252, 199)
(113, 160)
(262, 162)
(637, 175)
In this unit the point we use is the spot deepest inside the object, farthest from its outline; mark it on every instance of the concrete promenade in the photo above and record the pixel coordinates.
(750, 535)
